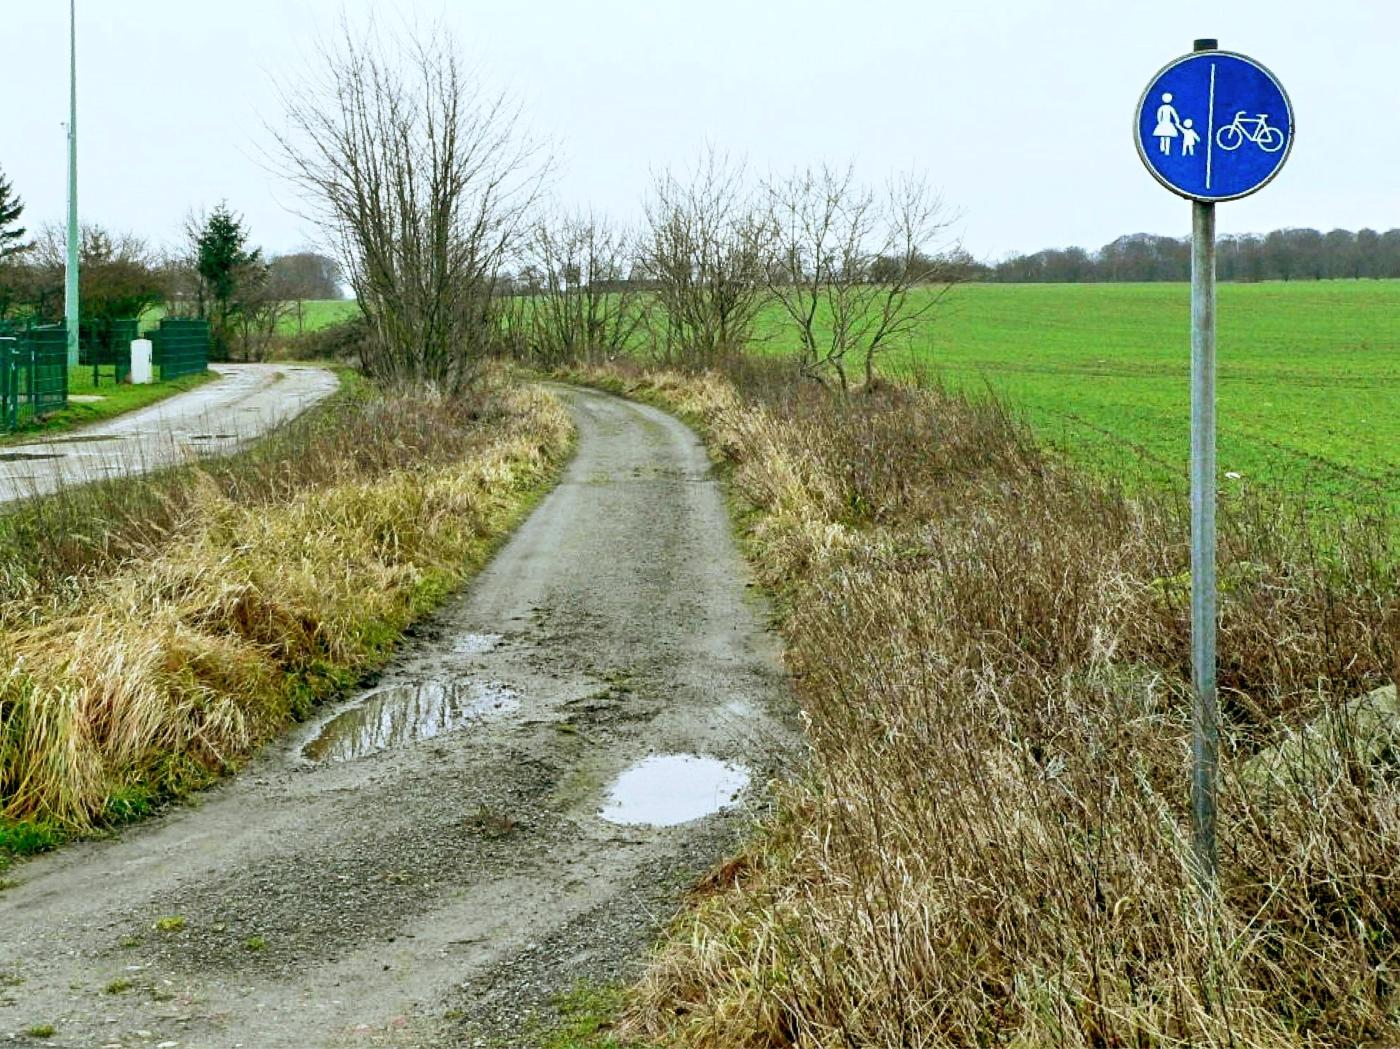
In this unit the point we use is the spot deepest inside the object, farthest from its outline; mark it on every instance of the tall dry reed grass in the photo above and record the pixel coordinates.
(990, 845)
(154, 632)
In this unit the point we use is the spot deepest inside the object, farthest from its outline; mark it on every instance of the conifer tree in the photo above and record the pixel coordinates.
(11, 208)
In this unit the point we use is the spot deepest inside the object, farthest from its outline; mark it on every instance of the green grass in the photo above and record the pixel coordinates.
(1309, 377)
(27, 838)
(318, 314)
(586, 1015)
(117, 399)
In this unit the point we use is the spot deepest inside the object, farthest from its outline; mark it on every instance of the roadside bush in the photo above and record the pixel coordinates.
(342, 342)
(991, 845)
(159, 630)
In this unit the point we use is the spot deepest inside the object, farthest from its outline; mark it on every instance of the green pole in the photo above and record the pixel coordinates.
(70, 299)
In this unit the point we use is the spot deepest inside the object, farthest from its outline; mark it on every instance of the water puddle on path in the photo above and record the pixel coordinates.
(475, 644)
(90, 438)
(670, 789)
(402, 714)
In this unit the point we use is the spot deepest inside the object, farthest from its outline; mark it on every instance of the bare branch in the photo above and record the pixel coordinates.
(423, 182)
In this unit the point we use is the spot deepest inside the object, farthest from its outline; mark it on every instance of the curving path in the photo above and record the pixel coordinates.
(443, 867)
(243, 403)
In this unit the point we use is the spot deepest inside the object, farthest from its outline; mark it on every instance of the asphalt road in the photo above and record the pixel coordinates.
(242, 404)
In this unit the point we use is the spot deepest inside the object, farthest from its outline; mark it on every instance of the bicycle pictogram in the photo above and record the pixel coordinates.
(1250, 129)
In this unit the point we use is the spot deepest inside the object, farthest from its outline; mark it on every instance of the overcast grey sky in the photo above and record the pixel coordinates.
(1019, 110)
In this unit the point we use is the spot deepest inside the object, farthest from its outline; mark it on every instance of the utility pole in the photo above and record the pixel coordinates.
(70, 298)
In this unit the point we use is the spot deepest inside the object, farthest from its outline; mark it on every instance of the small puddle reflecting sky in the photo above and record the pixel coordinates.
(402, 714)
(671, 789)
(475, 644)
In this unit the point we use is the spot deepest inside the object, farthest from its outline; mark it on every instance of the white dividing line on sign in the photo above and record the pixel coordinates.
(1210, 125)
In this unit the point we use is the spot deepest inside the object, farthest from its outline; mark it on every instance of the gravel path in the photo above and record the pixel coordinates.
(412, 889)
(243, 403)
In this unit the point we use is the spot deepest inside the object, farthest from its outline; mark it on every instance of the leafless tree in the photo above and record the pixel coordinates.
(302, 276)
(422, 180)
(855, 269)
(574, 301)
(265, 296)
(703, 251)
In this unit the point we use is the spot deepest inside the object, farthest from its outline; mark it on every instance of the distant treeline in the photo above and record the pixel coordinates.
(1286, 254)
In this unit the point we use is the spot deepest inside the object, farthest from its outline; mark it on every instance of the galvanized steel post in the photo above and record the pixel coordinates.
(70, 306)
(1206, 712)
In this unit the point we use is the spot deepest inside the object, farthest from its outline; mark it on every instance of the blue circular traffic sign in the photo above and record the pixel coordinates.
(1214, 125)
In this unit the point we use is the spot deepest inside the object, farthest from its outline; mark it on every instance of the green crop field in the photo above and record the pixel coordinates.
(316, 314)
(319, 313)
(1309, 376)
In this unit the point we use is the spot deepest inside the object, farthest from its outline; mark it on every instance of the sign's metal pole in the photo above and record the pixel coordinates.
(1206, 719)
(1205, 749)
(1182, 139)
(70, 305)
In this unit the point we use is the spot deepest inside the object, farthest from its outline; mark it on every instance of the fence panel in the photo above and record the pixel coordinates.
(107, 344)
(48, 367)
(33, 374)
(180, 347)
(9, 382)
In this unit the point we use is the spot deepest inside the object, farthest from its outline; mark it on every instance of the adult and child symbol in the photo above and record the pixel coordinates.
(1170, 125)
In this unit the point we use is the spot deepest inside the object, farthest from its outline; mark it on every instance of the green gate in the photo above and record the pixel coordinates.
(33, 374)
(107, 344)
(181, 347)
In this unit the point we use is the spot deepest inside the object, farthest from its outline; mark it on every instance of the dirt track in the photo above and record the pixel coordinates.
(437, 891)
(241, 404)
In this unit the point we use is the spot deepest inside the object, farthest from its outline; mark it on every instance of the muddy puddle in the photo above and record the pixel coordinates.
(669, 789)
(402, 714)
(475, 644)
(91, 438)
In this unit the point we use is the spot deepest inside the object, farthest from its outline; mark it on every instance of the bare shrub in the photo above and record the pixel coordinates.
(703, 252)
(573, 299)
(422, 180)
(262, 301)
(855, 269)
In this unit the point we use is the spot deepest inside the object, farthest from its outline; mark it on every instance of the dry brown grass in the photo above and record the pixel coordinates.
(210, 606)
(991, 843)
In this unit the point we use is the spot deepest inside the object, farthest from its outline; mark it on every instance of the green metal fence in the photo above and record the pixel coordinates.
(9, 382)
(33, 374)
(181, 347)
(106, 344)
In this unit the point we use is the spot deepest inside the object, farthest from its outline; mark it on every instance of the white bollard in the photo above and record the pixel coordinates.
(141, 371)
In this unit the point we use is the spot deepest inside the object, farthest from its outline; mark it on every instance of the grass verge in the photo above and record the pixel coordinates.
(991, 843)
(161, 630)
